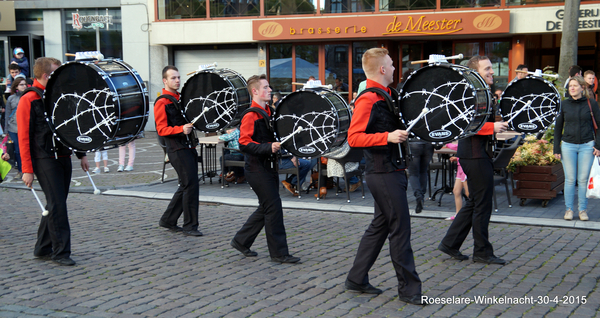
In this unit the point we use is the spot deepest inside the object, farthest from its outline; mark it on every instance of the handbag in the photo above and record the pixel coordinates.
(593, 119)
(593, 186)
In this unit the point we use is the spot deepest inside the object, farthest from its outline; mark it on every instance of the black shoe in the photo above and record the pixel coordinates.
(453, 253)
(245, 251)
(64, 261)
(286, 259)
(414, 299)
(366, 288)
(489, 260)
(173, 228)
(45, 257)
(192, 233)
(419, 207)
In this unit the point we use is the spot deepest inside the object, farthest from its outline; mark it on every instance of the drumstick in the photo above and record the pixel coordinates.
(198, 117)
(299, 129)
(203, 67)
(423, 112)
(324, 86)
(44, 211)
(458, 56)
(96, 191)
(533, 73)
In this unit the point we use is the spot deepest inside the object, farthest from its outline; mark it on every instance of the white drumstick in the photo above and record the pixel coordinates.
(299, 129)
(519, 111)
(198, 117)
(44, 211)
(96, 191)
(423, 112)
(538, 73)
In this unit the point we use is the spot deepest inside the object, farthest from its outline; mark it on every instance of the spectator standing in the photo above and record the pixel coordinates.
(589, 76)
(575, 128)
(17, 88)
(129, 167)
(101, 155)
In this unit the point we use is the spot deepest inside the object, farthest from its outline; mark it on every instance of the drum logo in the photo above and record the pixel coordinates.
(440, 134)
(84, 139)
(270, 29)
(527, 126)
(212, 125)
(306, 150)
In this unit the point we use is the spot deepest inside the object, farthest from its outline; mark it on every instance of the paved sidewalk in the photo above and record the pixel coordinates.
(129, 267)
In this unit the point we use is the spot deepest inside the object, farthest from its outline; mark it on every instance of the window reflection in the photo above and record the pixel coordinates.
(448, 4)
(234, 8)
(307, 63)
(342, 6)
(182, 9)
(400, 5)
(498, 54)
(280, 67)
(336, 67)
(358, 75)
(287, 7)
(468, 50)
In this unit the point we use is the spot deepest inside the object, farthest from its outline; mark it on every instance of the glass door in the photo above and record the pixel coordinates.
(4, 61)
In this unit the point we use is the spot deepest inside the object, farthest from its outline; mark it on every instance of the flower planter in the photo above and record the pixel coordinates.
(538, 182)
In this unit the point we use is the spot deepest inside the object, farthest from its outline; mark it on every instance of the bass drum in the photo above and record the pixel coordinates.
(213, 99)
(457, 99)
(96, 105)
(323, 115)
(530, 104)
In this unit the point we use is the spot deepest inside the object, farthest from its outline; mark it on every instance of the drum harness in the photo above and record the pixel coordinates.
(403, 148)
(192, 141)
(273, 157)
(40, 93)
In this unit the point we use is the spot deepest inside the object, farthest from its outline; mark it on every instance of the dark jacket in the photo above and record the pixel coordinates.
(574, 123)
(23, 64)
(255, 142)
(170, 122)
(371, 123)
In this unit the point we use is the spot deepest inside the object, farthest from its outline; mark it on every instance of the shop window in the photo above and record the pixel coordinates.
(336, 73)
(401, 5)
(524, 2)
(82, 35)
(410, 52)
(184, 9)
(288, 7)
(234, 8)
(449, 4)
(29, 15)
(343, 6)
(498, 54)
(307, 62)
(280, 67)
(358, 75)
(468, 50)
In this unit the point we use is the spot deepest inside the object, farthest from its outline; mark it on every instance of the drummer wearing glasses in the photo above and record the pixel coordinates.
(374, 127)
(476, 160)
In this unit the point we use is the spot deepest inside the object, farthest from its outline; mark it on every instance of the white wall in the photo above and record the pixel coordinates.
(243, 61)
(202, 32)
(53, 45)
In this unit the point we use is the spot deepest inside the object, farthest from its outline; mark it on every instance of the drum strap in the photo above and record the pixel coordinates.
(273, 157)
(405, 154)
(40, 93)
(190, 137)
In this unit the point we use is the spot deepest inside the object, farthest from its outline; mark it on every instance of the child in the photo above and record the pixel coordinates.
(459, 184)
(104, 155)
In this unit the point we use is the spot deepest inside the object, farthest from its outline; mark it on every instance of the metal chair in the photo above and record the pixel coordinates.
(228, 163)
(501, 161)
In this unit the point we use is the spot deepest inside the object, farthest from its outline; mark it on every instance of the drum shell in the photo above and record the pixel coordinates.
(322, 113)
(96, 105)
(217, 96)
(457, 98)
(540, 114)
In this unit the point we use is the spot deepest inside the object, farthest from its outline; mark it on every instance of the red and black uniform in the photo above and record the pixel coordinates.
(386, 177)
(184, 158)
(255, 142)
(51, 163)
(475, 156)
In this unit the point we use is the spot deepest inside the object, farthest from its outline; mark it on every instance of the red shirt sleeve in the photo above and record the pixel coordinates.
(487, 129)
(23, 120)
(357, 137)
(247, 128)
(160, 117)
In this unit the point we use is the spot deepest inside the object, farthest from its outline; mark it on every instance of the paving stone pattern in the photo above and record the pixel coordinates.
(129, 267)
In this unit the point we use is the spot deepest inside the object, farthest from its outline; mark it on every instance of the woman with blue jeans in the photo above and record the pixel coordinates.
(574, 127)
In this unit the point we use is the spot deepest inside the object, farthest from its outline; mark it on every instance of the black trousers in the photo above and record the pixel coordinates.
(418, 168)
(477, 210)
(185, 199)
(391, 220)
(54, 232)
(268, 215)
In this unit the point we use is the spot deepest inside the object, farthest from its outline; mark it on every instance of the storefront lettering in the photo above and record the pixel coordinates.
(423, 26)
(582, 24)
(585, 13)
(329, 30)
(95, 21)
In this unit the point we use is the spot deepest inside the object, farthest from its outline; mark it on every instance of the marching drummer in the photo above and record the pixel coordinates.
(374, 127)
(257, 141)
(51, 163)
(476, 160)
(181, 149)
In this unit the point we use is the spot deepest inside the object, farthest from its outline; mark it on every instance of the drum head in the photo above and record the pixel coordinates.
(80, 106)
(323, 116)
(529, 105)
(212, 99)
(453, 95)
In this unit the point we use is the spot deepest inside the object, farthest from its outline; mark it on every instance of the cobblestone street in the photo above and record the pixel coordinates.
(128, 266)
